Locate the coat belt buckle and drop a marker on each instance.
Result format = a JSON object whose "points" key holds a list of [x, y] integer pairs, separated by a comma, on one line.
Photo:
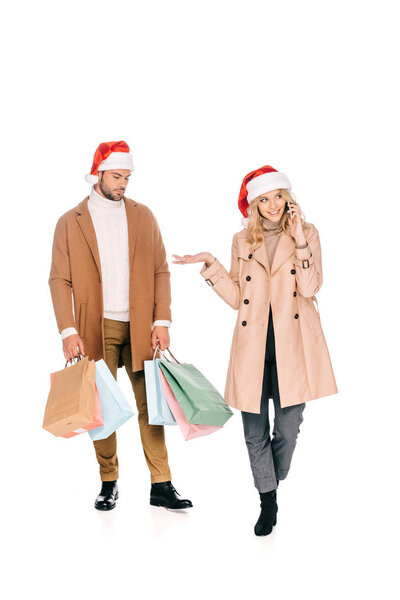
{"points": [[305, 266], [209, 282]]}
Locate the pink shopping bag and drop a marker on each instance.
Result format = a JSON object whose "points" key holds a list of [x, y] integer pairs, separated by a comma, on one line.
{"points": [[189, 431], [97, 417]]}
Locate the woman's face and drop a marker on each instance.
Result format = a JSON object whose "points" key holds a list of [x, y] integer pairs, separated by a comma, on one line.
{"points": [[272, 205]]}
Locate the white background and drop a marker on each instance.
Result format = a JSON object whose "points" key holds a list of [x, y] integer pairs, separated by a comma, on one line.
{"points": [[205, 92]]}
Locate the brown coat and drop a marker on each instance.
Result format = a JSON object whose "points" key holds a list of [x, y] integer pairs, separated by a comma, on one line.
{"points": [[76, 268], [302, 357]]}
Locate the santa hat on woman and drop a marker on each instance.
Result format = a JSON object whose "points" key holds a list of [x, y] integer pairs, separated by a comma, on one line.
{"points": [[110, 155], [261, 181]]}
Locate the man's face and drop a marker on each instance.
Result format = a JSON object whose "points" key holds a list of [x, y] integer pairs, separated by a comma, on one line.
{"points": [[112, 184]]}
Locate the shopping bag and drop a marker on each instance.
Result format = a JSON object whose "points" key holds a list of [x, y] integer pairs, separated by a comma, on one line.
{"points": [[71, 401], [198, 398], [157, 406], [189, 431], [115, 407], [97, 418]]}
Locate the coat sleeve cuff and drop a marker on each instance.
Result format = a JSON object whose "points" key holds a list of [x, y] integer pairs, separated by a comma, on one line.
{"points": [[68, 331], [212, 273], [303, 257]]}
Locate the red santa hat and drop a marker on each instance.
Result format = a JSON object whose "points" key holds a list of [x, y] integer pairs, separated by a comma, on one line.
{"points": [[261, 181], [110, 155]]}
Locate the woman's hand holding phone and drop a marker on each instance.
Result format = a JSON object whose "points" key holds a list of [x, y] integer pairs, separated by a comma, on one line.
{"points": [[289, 210], [295, 225]]}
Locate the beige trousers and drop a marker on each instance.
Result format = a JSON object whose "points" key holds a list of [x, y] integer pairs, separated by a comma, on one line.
{"points": [[117, 344]]}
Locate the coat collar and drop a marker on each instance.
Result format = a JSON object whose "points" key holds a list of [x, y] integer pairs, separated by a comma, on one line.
{"points": [[261, 255], [133, 215], [86, 224], [284, 249]]}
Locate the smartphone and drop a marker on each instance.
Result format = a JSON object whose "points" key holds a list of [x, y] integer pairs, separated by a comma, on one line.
{"points": [[290, 212]]}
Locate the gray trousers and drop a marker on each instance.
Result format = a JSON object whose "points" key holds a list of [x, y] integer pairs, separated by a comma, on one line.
{"points": [[270, 459]]}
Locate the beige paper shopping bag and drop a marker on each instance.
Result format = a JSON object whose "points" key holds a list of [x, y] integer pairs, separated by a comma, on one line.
{"points": [[71, 401]]}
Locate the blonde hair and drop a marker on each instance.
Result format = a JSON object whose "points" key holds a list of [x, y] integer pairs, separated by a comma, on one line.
{"points": [[254, 225]]}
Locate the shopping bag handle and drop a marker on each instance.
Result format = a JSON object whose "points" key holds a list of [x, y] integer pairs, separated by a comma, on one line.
{"points": [[170, 353], [77, 358], [162, 353], [158, 349]]}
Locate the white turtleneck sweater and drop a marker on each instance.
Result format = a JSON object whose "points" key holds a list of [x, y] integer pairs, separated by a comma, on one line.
{"points": [[111, 227]]}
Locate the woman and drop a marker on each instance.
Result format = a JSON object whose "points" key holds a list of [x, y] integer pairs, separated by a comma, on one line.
{"points": [[278, 349]]}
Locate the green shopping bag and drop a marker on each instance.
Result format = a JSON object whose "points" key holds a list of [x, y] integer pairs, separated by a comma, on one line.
{"points": [[198, 398]]}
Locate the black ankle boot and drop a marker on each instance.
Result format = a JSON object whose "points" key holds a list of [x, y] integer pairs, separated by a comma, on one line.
{"points": [[108, 496], [164, 494], [267, 518]]}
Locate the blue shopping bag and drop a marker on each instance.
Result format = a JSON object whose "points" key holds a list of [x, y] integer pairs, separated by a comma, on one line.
{"points": [[115, 407], [157, 406]]}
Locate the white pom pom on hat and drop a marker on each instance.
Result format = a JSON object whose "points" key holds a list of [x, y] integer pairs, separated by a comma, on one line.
{"points": [[110, 155], [93, 179]]}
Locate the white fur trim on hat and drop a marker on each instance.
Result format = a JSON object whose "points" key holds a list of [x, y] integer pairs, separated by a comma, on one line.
{"points": [[93, 179], [117, 160], [266, 182]]}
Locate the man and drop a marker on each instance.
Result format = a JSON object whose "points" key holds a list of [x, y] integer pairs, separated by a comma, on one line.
{"points": [[109, 258]]}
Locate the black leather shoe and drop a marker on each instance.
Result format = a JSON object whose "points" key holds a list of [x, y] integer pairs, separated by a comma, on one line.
{"points": [[164, 494], [267, 518], [108, 496]]}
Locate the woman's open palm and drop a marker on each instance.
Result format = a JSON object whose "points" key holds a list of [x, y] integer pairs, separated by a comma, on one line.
{"points": [[187, 259]]}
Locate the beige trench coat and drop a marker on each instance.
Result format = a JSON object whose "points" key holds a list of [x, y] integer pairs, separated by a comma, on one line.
{"points": [[289, 285], [76, 279]]}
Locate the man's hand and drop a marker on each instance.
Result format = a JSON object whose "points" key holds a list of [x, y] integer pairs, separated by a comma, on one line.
{"points": [[71, 345], [159, 336]]}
